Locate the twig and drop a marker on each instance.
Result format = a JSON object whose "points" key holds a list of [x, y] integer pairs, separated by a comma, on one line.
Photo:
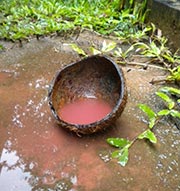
{"points": [[145, 65], [161, 81]]}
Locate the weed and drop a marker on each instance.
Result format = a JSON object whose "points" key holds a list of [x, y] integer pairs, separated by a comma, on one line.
{"points": [[1, 47], [174, 75], [123, 145], [21, 19], [159, 53], [105, 48], [172, 110]]}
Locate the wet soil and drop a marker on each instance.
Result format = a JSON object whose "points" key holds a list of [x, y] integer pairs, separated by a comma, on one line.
{"points": [[37, 154]]}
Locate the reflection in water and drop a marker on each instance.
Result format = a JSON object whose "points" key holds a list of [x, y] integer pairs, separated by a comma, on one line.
{"points": [[13, 175], [32, 157]]}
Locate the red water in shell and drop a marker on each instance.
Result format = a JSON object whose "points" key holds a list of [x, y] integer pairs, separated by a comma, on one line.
{"points": [[85, 111]]}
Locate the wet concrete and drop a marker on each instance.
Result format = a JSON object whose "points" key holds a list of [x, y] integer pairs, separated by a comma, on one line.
{"points": [[166, 15], [36, 154]]}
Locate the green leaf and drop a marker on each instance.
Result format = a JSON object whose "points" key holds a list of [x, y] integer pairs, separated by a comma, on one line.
{"points": [[146, 109], [152, 122], [121, 155], [129, 50], [175, 74], [148, 134], [167, 99], [141, 46], [168, 57], [164, 112], [1, 47], [118, 52], [108, 47], [94, 51], [175, 113], [154, 49], [78, 50], [116, 154], [123, 158], [150, 113], [118, 142], [171, 90]]}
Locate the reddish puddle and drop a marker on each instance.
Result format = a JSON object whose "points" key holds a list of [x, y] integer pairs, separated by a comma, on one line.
{"points": [[85, 111]]}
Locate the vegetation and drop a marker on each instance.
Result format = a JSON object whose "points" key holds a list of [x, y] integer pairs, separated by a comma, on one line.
{"points": [[21, 19], [171, 109], [158, 53], [154, 48]]}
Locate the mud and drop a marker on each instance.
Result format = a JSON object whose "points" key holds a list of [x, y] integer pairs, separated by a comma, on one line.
{"points": [[37, 154]]}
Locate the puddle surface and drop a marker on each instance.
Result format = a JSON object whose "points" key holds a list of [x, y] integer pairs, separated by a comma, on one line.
{"points": [[36, 154], [84, 111]]}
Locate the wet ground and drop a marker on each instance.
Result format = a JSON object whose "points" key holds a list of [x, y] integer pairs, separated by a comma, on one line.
{"points": [[37, 154], [166, 15]]}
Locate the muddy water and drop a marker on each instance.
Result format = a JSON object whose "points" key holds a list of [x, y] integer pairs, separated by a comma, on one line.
{"points": [[36, 154]]}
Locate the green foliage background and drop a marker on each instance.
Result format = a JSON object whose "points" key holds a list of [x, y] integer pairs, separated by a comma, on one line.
{"points": [[20, 19]]}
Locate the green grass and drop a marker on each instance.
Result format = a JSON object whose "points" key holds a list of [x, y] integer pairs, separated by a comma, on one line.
{"points": [[20, 19]]}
